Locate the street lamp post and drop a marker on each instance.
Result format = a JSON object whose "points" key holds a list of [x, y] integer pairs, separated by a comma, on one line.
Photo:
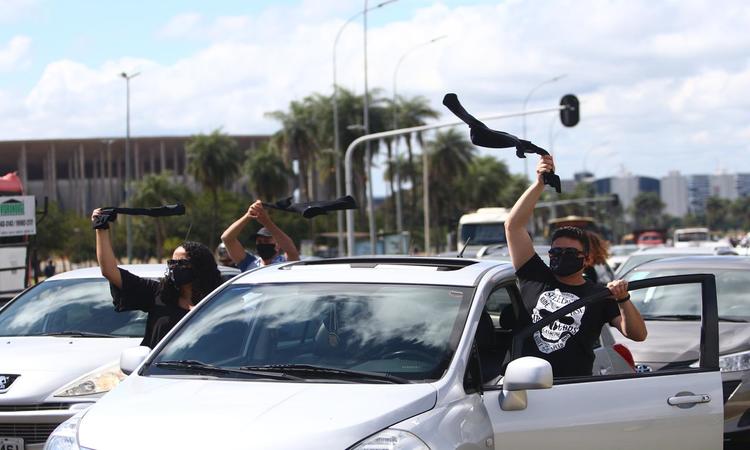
{"points": [[336, 137], [525, 102], [128, 228], [399, 213]]}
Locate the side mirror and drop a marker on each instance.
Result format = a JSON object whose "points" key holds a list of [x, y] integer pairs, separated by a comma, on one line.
{"points": [[522, 374], [131, 358]]}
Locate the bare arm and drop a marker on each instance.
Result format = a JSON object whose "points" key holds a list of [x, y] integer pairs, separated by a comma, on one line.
{"points": [[284, 242], [629, 322], [230, 238], [520, 245], [105, 255]]}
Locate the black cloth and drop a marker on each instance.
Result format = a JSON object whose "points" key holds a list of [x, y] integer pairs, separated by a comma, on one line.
{"points": [[143, 294], [313, 209], [484, 136], [568, 344], [109, 214]]}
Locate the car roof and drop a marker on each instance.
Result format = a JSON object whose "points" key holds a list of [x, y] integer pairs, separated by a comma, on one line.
{"points": [[141, 270], [395, 270], [663, 250], [697, 263]]}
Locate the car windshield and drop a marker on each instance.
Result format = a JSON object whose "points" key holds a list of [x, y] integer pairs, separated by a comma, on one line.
{"points": [[405, 331], [69, 307], [693, 236], [483, 233], [683, 302]]}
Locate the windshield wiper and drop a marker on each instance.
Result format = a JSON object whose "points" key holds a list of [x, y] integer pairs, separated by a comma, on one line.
{"points": [[673, 317], [329, 371], [209, 369], [79, 334]]}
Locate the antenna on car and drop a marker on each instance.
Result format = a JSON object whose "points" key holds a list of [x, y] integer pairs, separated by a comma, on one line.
{"points": [[461, 253]]}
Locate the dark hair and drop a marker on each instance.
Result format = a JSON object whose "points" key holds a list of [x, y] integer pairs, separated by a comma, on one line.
{"points": [[572, 233], [207, 274], [599, 248]]}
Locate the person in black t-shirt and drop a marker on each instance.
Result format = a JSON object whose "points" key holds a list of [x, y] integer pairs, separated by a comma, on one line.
{"points": [[568, 343], [191, 275]]}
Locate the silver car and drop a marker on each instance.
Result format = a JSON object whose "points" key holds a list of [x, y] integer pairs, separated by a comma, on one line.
{"points": [[59, 347], [385, 353], [673, 315]]}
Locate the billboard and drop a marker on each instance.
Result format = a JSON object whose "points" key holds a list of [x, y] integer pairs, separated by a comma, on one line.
{"points": [[17, 215]]}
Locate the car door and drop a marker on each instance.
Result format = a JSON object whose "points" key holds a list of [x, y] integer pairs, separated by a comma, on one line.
{"points": [[676, 408]]}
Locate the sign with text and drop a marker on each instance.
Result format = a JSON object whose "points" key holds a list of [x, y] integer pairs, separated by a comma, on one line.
{"points": [[17, 215]]}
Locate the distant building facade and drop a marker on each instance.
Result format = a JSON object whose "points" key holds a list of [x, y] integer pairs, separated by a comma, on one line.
{"points": [[81, 174]]}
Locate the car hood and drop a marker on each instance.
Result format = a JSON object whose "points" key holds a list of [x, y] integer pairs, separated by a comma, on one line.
{"points": [[155, 412], [669, 341], [46, 363]]}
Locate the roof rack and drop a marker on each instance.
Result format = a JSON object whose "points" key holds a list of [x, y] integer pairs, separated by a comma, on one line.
{"points": [[371, 262]]}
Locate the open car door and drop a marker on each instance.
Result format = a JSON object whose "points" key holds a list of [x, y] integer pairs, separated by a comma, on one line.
{"points": [[673, 408]]}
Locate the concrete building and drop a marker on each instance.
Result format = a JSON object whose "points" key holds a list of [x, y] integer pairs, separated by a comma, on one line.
{"points": [[743, 184], [724, 185], [699, 189], [627, 186], [674, 194], [80, 174]]}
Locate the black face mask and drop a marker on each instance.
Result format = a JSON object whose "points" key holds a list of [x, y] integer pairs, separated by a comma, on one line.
{"points": [[565, 264], [181, 275], [266, 251]]}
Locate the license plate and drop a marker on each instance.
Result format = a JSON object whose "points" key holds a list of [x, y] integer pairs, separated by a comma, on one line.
{"points": [[11, 443]]}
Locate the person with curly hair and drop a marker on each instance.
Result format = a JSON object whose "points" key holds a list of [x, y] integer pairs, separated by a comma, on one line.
{"points": [[191, 275], [599, 252]]}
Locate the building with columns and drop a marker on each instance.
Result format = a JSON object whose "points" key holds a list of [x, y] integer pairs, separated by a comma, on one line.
{"points": [[80, 174]]}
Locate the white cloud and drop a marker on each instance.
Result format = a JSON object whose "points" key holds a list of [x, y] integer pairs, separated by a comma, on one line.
{"points": [[666, 78], [11, 10], [15, 54]]}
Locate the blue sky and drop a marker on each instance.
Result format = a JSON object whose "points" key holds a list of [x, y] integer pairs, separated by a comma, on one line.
{"points": [[664, 86]]}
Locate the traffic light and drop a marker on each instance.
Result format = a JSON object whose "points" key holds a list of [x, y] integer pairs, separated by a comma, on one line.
{"points": [[570, 113]]}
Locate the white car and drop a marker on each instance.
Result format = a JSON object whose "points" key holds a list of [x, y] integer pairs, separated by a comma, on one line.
{"points": [[60, 343], [386, 353]]}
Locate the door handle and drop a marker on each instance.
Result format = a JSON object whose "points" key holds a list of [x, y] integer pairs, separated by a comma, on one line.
{"points": [[688, 399]]}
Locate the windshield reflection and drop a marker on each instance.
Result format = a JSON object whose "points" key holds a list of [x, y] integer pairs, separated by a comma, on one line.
{"points": [[405, 330], [64, 306]]}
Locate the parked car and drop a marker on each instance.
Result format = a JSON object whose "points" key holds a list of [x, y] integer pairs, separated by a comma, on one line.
{"points": [[61, 341], [619, 253], [673, 315], [650, 238], [372, 353], [647, 254]]}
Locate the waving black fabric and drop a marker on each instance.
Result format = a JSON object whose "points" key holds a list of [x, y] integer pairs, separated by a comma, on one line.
{"points": [[312, 209], [109, 214], [484, 136]]}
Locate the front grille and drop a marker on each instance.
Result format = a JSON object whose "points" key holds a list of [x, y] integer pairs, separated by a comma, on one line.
{"points": [[32, 433], [41, 407]]}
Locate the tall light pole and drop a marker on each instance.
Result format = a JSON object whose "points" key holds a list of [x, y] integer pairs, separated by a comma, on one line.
{"points": [[128, 228], [525, 102], [336, 137], [399, 214]]}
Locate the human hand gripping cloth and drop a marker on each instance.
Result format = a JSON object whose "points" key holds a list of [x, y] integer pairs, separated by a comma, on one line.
{"points": [[484, 136], [313, 209], [109, 214]]}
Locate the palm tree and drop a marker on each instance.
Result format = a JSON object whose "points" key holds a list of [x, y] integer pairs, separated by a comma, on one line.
{"points": [[155, 190], [450, 155], [214, 161], [268, 175]]}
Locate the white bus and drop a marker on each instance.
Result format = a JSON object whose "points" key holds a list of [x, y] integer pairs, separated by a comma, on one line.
{"points": [[691, 237], [485, 226]]}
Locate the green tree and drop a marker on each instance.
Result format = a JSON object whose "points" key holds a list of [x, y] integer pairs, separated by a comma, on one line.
{"points": [[268, 175], [161, 189], [214, 161], [646, 210]]}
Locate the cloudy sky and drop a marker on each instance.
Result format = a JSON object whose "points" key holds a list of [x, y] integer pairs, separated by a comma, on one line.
{"points": [[663, 85]]}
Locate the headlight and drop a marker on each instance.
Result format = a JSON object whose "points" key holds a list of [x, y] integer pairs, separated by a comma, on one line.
{"points": [[65, 436], [101, 380], [391, 439], [735, 362]]}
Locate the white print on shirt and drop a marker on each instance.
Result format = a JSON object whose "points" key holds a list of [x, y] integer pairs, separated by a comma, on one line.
{"points": [[554, 336]]}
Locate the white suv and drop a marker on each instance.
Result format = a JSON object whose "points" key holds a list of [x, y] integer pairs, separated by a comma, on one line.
{"points": [[386, 353]]}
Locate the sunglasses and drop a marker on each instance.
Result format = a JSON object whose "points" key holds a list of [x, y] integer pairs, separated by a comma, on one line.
{"points": [[179, 263], [555, 252]]}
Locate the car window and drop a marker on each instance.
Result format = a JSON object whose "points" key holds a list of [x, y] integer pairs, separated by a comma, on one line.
{"points": [[406, 330], [61, 306]]}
